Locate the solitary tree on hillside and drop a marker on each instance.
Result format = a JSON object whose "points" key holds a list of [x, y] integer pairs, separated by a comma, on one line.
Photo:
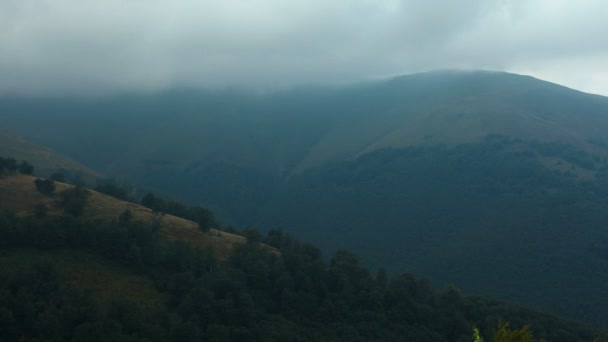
{"points": [[45, 186], [151, 201], [203, 217], [26, 168], [9, 164], [113, 188]]}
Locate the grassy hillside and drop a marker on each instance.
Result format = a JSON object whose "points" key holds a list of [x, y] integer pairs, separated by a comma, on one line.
{"points": [[18, 193], [46, 160]]}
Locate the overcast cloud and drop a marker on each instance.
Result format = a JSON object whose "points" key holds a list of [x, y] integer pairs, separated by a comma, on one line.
{"points": [[73, 46]]}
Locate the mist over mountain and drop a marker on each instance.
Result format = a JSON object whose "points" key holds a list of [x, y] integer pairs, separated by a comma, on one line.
{"points": [[321, 123], [493, 181]]}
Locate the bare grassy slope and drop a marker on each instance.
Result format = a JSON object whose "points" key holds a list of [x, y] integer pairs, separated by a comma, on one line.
{"points": [[46, 160], [18, 193]]}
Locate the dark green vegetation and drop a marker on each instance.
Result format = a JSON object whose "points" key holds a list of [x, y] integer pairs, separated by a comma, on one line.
{"points": [[45, 186], [495, 182], [8, 164], [204, 218], [69, 277]]}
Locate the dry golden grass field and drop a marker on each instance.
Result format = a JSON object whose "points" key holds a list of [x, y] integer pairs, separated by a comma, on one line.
{"points": [[18, 193]]}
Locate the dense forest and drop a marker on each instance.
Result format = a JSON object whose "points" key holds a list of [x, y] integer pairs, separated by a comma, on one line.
{"points": [[254, 295], [475, 214]]}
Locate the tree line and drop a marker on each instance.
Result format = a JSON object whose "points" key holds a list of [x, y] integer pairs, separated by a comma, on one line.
{"points": [[255, 295], [12, 165]]}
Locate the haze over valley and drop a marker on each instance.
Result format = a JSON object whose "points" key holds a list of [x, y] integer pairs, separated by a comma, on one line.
{"points": [[295, 181], [430, 173]]}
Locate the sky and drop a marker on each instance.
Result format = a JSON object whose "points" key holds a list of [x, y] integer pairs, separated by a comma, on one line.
{"points": [[93, 46]]}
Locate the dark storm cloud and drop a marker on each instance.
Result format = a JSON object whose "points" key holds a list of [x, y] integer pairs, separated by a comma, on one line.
{"points": [[144, 45]]}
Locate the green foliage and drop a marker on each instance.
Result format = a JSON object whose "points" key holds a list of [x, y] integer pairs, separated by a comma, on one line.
{"points": [[113, 188], [25, 168], [36, 304], [45, 186], [73, 201], [433, 209], [8, 164], [253, 235], [152, 201], [71, 176], [505, 334], [476, 336], [202, 216], [255, 295]]}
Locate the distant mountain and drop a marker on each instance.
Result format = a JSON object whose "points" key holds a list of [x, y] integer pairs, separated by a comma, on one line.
{"points": [[493, 181], [452, 107], [289, 131]]}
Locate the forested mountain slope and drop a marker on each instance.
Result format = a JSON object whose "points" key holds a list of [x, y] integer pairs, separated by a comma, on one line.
{"points": [[493, 181], [87, 274]]}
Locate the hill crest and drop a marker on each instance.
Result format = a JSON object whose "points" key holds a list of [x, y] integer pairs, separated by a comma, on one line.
{"points": [[45, 159], [18, 194]]}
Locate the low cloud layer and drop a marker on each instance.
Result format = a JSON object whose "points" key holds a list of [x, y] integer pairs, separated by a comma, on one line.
{"points": [[92, 46]]}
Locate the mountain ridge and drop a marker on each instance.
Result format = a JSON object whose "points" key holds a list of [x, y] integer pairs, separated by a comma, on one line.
{"points": [[402, 111], [424, 172]]}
